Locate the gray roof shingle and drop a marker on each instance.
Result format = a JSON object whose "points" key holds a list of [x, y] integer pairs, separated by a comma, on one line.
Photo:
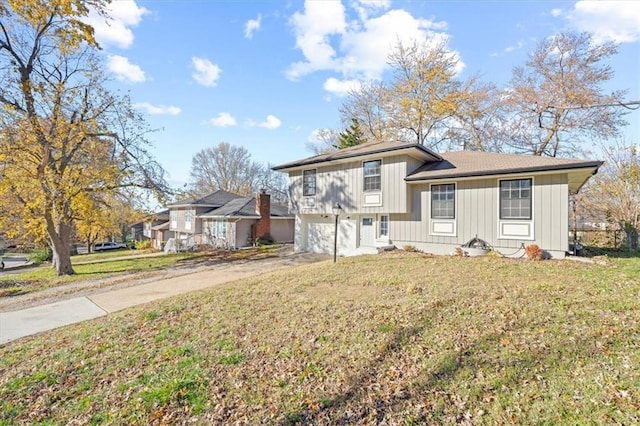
{"points": [[459, 164], [215, 199], [368, 148], [245, 207]]}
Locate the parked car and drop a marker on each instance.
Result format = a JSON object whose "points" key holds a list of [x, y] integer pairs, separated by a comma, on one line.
{"points": [[108, 246]]}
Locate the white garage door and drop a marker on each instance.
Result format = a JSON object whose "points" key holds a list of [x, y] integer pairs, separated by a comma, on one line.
{"points": [[320, 237]]}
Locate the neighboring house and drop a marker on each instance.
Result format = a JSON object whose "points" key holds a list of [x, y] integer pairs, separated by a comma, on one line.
{"points": [[154, 228], [398, 194], [236, 219]]}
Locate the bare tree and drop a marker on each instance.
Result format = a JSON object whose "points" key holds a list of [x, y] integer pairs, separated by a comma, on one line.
{"points": [[366, 104], [614, 192], [231, 169], [556, 102], [478, 120], [325, 141]]}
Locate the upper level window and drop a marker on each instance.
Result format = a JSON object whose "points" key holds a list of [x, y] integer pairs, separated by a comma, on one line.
{"points": [[371, 172], [443, 202], [308, 183], [515, 199]]}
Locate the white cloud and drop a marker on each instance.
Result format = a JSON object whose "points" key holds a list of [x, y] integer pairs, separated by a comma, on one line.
{"points": [[340, 87], [224, 119], [519, 45], [252, 25], [125, 70], [271, 122], [618, 21], [117, 30], [355, 46], [313, 28], [206, 73], [158, 109], [556, 12]]}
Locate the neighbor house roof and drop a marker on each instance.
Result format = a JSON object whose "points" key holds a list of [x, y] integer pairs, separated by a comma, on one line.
{"points": [[365, 149], [468, 164], [215, 199], [244, 207]]}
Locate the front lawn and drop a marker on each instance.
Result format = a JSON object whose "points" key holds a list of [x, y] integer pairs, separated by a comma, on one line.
{"points": [[126, 264], [399, 338]]}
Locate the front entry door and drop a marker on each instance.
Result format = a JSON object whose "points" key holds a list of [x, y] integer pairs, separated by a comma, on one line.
{"points": [[367, 231]]}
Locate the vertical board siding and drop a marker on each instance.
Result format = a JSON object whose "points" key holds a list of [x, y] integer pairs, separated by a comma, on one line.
{"points": [[343, 183], [477, 214]]}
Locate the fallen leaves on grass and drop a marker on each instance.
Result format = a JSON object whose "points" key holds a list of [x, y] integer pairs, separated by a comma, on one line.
{"points": [[488, 341]]}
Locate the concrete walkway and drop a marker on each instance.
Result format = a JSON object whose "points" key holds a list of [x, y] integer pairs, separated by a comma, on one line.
{"points": [[26, 322]]}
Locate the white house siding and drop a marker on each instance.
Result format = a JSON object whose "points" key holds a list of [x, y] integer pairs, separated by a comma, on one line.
{"points": [[477, 213], [343, 183]]}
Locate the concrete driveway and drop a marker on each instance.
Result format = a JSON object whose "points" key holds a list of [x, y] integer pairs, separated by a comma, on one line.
{"points": [[74, 308]]}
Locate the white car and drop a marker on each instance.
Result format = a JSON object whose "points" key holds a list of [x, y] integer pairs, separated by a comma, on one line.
{"points": [[108, 246]]}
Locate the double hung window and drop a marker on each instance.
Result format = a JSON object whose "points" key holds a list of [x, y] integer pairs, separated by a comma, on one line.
{"points": [[443, 201], [515, 199], [309, 183], [371, 175]]}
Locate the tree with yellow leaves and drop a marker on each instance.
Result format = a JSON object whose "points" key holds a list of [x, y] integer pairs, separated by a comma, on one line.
{"points": [[62, 133], [420, 103]]}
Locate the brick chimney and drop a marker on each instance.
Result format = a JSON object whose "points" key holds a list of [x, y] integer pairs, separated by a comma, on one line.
{"points": [[263, 208]]}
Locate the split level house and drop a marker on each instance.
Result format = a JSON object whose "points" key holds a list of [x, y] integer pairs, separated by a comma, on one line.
{"points": [[399, 194], [237, 220]]}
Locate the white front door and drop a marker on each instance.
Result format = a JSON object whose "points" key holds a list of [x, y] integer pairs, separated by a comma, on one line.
{"points": [[367, 231]]}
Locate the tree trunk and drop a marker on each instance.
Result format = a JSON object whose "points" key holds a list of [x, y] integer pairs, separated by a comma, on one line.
{"points": [[60, 237], [632, 238]]}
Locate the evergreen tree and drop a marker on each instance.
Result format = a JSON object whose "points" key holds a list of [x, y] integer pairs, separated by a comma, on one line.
{"points": [[351, 136]]}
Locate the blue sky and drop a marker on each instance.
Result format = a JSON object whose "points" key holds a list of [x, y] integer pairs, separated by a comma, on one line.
{"points": [[267, 75]]}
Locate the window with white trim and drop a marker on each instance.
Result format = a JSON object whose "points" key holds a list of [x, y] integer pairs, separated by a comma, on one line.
{"points": [[173, 218], [309, 183], [371, 175], [219, 228], [384, 225], [443, 201], [515, 199], [188, 219]]}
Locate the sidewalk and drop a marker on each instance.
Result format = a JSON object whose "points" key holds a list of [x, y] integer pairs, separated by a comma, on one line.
{"points": [[26, 322]]}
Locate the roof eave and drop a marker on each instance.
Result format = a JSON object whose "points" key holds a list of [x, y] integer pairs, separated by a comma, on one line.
{"points": [[595, 165], [426, 154]]}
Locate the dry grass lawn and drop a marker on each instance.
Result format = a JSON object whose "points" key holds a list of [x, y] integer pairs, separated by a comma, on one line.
{"points": [[399, 338]]}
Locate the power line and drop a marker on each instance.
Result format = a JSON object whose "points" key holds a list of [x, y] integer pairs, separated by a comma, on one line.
{"points": [[632, 105]]}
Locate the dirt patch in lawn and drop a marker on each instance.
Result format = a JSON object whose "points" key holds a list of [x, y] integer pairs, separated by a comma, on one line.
{"points": [[251, 260]]}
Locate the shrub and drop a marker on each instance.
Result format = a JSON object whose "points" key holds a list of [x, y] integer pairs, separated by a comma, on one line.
{"points": [[534, 252], [459, 252], [410, 248], [142, 245], [41, 255], [265, 240]]}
